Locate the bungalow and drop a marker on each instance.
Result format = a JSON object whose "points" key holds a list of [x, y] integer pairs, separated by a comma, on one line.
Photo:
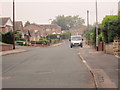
{"points": [[51, 29], [34, 30], [42, 30], [31, 35], [6, 24], [19, 26], [78, 30]]}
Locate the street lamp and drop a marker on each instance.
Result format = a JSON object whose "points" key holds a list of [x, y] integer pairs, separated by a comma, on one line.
{"points": [[96, 27], [88, 18], [13, 25]]}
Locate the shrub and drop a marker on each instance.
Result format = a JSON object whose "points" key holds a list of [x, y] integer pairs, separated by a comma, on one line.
{"points": [[7, 37], [55, 41], [20, 42], [22, 39], [53, 36], [110, 28], [66, 35], [43, 41]]}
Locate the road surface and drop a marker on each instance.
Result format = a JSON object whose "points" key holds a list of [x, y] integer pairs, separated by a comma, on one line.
{"points": [[48, 67]]}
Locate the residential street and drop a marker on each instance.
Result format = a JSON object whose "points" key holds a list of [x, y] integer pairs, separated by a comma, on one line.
{"points": [[60, 44], [47, 67]]}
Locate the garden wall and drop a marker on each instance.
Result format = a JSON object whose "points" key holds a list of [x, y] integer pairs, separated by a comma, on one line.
{"points": [[113, 48], [108, 48], [5, 47]]}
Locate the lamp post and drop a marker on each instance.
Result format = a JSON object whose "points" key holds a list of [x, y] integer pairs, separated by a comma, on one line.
{"points": [[96, 27], [88, 19], [13, 24]]}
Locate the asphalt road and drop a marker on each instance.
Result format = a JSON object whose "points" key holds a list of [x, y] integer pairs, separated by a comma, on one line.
{"points": [[48, 67]]}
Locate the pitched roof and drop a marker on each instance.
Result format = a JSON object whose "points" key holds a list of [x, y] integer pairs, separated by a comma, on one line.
{"points": [[49, 26], [3, 21], [18, 24], [31, 32], [46, 25]]}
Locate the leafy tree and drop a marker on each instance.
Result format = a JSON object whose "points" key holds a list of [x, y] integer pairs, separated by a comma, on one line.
{"points": [[67, 22], [27, 23], [110, 28], [91, 35]]}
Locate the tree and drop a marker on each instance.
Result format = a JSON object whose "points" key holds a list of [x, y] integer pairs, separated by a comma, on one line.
{"points": [[110, 28], [67, 22], [27, 23]]}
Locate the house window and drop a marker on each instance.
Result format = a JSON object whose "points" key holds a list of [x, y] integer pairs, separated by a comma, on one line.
{"points": [[53, 29], [47, 29]]}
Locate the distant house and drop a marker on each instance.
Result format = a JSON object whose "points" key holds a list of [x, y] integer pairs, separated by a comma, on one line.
{"points": [[42, 30], [19, 26], [31, 35], [6, 24], [78, 30], [34, 30], [51, 29]]}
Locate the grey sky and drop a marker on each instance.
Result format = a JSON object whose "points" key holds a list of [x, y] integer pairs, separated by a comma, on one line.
{"points": [[41, 12]]}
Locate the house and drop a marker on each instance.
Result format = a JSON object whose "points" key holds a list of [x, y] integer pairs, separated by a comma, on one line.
{"points": [[78, 30], [19, 26], [34, 30], [6, 24], [31, 35], [51, 29], [38, 31]]}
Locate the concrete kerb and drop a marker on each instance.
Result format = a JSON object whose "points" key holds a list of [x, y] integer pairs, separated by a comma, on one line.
{"points": [[90, 69], [58, 44], [4, 53]]}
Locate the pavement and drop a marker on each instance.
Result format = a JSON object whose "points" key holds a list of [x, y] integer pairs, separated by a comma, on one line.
{"points": [[104, 67]]}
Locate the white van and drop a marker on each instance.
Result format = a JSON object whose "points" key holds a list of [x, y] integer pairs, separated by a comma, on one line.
{"points": [[76, 40]]}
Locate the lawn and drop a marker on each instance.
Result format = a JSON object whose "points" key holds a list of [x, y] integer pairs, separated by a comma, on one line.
{"points": [[1, 43]]}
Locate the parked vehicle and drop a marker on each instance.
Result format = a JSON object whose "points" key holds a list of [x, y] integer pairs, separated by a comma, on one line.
{"points": [[76, 40]]}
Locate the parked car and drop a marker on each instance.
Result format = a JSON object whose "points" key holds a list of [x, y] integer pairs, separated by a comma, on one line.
{"points": [[76, 40]]}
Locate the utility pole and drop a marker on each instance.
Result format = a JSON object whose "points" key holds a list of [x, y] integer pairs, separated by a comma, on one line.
{"points": [[96, 27], [119, 8], [13, 24], [88, 19]]}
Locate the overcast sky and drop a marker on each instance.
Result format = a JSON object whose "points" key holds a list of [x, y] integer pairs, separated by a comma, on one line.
{"points": [[39, 11]]}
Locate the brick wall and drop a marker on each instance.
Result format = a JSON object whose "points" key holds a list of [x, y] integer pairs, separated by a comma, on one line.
{"points": [[113, 48], [108, 48], [5, 47]]}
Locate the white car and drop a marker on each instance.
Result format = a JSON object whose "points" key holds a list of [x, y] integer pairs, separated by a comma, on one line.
{"points": [[76, 40]]}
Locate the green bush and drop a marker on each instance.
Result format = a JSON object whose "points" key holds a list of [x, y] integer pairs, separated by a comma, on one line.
{"points": [[22, 39], [55, 41], [111, 28], [33, 42], [53, 36], [20, 42], [66, 35], [43, 41], [7, 37]]}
